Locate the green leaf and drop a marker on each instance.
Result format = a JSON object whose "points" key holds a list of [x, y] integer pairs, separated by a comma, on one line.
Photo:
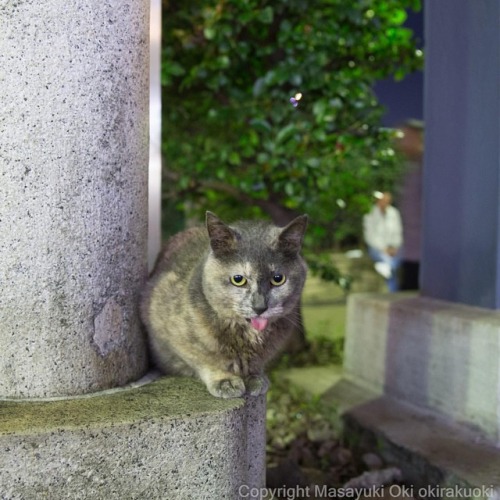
{"points": [[286, 133], [174, 69], [261, 125], [289, 189], [267, 15], [234, 158], [313, 162], [319, 109], [398, 17], [262, 158], [323, 182], [209, 33]]}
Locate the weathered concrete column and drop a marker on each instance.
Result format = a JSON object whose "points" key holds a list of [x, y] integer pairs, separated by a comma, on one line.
{"points": [[73, 205], [461, 258]]}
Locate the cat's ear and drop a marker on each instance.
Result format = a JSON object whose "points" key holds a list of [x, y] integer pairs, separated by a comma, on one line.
{"points": [[223, 239], [291, 236]]}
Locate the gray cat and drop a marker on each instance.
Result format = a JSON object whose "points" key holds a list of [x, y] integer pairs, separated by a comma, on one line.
{"points": [[221, 301]]}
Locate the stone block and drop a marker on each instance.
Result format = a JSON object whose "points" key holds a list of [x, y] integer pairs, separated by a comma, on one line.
{"points": [[168, 439], [433, 354]]}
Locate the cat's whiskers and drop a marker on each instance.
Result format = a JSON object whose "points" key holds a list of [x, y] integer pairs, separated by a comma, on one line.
{"points": [[293, 319]]}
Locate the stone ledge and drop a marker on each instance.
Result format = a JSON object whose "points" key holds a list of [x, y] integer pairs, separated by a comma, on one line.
{"points": [[430, 450], [430, 353], [167, 439]]}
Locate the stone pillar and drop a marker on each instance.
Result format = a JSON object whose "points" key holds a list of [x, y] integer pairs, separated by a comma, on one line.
{"points": [[73, 210], [461, 258]]}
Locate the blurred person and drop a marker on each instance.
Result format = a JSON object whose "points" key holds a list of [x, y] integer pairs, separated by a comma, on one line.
{"points": [[411, 145], [383, 234]]}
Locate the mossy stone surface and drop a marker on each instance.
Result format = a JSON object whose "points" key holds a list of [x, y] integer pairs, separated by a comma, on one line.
{"points": [[168, 439], [167, 397]]}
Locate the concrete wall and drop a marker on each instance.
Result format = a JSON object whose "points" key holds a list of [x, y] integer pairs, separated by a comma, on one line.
{"points": [[73, 212]]}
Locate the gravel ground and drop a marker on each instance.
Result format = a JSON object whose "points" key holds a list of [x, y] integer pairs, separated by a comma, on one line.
{"points": [[306, 451]]}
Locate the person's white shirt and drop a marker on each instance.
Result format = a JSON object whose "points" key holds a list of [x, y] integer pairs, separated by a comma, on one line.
{"points": [[382, 230]]}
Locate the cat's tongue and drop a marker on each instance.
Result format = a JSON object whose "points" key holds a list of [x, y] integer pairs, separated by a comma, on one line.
{"points": [[259, 323]]}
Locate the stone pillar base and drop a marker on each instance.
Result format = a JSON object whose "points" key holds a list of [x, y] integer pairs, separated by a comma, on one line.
{"points": [[167, 439]]}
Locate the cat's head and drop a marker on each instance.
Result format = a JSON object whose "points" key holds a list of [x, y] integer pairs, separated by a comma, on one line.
{"points": [[254, 272]]}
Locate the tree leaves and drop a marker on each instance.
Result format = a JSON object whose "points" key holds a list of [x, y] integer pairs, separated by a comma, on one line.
{"points": [[230, 72]]}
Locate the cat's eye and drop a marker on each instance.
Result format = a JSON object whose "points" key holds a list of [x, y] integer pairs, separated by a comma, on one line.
{"points": [[238, 280], [278, 279]]}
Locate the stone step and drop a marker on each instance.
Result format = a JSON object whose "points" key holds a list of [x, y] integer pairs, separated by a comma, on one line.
{"points": [[167, 439], [438, 457]]}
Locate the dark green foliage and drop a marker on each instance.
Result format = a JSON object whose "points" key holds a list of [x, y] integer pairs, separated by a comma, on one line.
{"points": [[232, 138], [318, 352]]}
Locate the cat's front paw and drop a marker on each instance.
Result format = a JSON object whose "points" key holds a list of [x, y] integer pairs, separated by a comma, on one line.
{"points": [[257, 384], [233, 387]]}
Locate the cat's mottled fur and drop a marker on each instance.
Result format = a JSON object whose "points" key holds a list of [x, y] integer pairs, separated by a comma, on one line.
{"points": [[221, 301]]}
